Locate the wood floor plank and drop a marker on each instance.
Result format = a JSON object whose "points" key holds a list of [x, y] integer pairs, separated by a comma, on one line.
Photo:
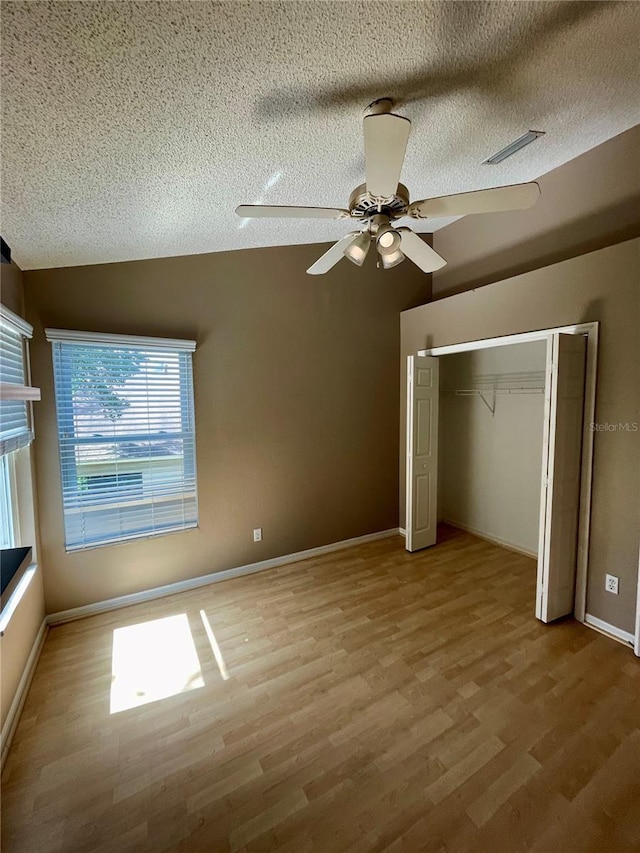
{"points": [[499, 791], [368, 700]]}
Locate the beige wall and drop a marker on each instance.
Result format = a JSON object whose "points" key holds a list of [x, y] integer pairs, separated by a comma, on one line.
{"points": [[296, 393], [490, 463], [586, 204], [21, 632], [604, 286], [11, 288], [18, 640]]}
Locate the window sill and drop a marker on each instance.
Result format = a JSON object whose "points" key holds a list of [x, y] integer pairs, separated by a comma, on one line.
{"points": [[16, 589]]}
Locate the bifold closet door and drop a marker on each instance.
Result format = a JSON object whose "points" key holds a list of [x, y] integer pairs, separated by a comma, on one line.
{"points": [[422, 451], [561, 466]]}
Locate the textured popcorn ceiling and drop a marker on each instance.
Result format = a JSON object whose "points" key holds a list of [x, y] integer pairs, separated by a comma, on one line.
{"points": [[132, 130]]}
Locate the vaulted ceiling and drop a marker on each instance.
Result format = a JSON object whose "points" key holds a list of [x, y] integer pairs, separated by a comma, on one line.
{"points": [[133, 129]]}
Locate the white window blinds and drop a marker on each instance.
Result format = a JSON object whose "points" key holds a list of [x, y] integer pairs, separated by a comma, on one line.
{"points": [[15, 431], [126, 434]]}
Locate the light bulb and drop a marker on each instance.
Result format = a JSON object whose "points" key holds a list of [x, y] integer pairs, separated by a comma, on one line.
{"points": [[388, 241]]}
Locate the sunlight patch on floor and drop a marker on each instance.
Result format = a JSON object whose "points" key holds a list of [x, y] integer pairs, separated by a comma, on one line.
{"points": [[215, 648], [153, 660]]}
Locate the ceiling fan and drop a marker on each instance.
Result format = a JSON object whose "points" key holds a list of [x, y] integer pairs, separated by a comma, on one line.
{"points": [[377, 203]]}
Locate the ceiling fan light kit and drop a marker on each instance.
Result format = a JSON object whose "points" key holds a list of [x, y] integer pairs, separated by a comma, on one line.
{"points": [[388, 241], [391, 260], [382, 199], [357, 251]]}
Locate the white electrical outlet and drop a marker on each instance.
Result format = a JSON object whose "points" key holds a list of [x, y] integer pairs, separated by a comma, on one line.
{"points": [[611, 584], [257, 534]]}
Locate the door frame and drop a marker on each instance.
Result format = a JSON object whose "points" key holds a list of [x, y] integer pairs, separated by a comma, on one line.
{"points": [[590, 330]]}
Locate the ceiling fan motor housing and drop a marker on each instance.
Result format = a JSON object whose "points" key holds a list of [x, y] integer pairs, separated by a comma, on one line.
{"points": [[363, 205]]}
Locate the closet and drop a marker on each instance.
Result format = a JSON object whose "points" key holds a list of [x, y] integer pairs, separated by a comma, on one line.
{"points": [[494, 446], [490, 449]]}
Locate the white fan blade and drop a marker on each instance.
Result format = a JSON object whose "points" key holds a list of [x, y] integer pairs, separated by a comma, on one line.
{"points": [[335, 254], [283, 211], [419, 252], [385, 143], [515, 197]]}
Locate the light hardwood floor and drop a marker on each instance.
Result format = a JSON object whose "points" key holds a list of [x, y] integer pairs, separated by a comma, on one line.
{"points": [[376, 700]]}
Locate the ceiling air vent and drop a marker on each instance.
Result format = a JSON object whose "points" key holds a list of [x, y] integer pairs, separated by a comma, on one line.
{"points": [[514, 146]]}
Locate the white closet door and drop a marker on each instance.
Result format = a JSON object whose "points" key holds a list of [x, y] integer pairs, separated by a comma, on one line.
{"points": [[561, 464], [422, 451]]}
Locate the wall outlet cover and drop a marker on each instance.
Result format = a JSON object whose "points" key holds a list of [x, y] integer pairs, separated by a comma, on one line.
{"points": [[611, 584], [257, 534]]}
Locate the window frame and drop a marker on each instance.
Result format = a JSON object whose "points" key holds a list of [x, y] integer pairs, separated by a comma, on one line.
{"points": [[9, 500]]}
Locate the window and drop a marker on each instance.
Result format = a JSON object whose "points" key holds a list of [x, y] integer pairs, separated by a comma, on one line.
{"points": [[16, 568], [15, 430], [126, 435]]}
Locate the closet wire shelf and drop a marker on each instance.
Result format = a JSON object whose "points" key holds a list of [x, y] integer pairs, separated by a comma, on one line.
{"points": [[488, 386]]}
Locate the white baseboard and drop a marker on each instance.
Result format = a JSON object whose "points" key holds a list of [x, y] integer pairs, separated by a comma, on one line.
{"points": [[10, 724], [402, 532], [215, 577], [610, 630], [504, 543]]}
